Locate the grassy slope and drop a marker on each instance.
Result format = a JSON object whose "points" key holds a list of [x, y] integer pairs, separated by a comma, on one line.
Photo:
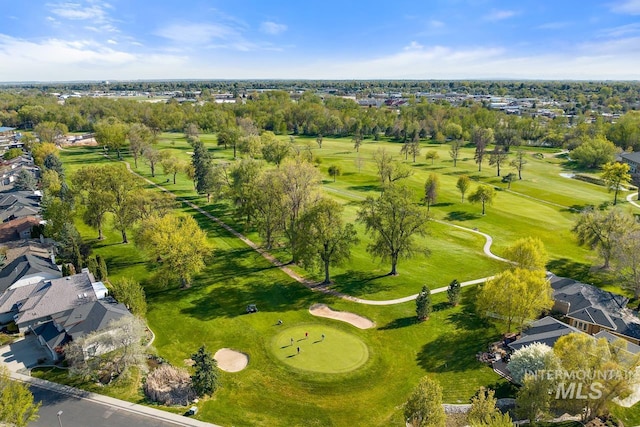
{"points": [[267, 393]]}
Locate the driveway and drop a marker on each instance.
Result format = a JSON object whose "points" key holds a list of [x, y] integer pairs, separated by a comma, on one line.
{"points": [[23, 354]]}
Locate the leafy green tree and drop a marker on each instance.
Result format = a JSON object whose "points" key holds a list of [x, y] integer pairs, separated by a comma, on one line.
{"points": [[578, 352], [432, 155], [424, 408], [52, 162], [519, 162], [41, 150], [12, 153], [453, 292], [515, 296], [101, 272], [357, 142], [481, 137], [25, 181], [50, 182], [178, 243], [423, 304], [533, 401], [123, 188], [129, 292], [140, 139], [230, 136], [528, 253], [484, 413], [244, 180], [205, 378], [431, 189], [17, 407], [509, 178], [594, 152], [268, 198], [91, 187], [389, 170], [626, 260], [327, 239], [614, 175], [112, 133], [414, 150], [599, 230], [250, 146], [463, 184], [273, 149], [51, 132], [171, 165], [300, 184], [393, 220], [151, 157], [483, 194], [202, 164], [334, 171], [191, 133]]}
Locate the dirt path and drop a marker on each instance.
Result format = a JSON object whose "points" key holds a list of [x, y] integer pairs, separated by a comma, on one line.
{"points": [[311, 284]]}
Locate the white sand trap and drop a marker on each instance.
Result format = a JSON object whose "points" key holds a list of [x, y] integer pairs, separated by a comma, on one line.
{"points": [[231, 360], [321, 310], [567, 175]]}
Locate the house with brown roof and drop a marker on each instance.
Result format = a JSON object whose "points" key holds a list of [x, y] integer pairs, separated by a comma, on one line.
{"points": [[18, 228]]}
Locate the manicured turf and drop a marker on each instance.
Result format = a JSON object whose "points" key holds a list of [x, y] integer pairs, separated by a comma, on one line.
{"points": [[303, 347], [400, 350]]}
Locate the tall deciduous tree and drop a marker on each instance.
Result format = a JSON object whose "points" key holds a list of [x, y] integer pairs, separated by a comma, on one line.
{"points": [[334, 171], [92, 188], [244, 185], [178, 243], [300, 183], [327, 239], [481, 137], [123, 188], [230, 136], [497, 157], [140, 138], [424, 408], [270, 206], [626, 260], [171, 165], [528, 253], [111, 133], [484, 412], [463, 184], [594, 152], [615, 175], [393, 220], [41, 150], [432, 155], [454, 151], [51, 132], [17, 407], [151, 157], [483, 194], [599, 230], [515, 296], [129, 292], [389, 170], [273, 149], [519, 162], [431, 189]]}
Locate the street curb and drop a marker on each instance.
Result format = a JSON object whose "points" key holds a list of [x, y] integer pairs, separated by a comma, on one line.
{"points": [[110, 401]]}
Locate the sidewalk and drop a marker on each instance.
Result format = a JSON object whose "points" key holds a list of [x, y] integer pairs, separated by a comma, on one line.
{"points": [[110, 401]]}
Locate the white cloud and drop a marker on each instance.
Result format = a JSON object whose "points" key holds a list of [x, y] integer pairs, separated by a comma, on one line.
{"points": [[499, 15], [196, 34], [272, 28], [78, 12], [414, 45], [629, 7], [620, 31], [112, 42]]}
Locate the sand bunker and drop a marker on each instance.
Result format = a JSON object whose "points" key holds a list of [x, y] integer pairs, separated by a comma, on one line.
{"points": [[231, 360], [321, 310]]}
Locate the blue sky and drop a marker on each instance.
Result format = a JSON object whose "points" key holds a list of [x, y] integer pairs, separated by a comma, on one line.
{"points": [[266, 39]]}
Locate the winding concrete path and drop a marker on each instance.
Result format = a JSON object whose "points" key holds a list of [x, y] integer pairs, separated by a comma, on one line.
{"points": [[313, 285], [630, 199]]}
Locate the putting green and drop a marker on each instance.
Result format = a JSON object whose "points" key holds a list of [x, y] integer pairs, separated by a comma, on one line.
{"points": [[338, 352]]}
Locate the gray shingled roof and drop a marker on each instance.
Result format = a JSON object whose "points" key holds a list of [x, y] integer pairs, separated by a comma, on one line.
{"points": [[56, 295], [631, 347], [90, 317], [593, 305], [546, 331], [23, 266], [634, 157], [51, 334]]}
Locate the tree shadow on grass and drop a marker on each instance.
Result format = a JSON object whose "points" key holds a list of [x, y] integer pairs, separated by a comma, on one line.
{"points": [[567, 268], [359, 283], [454, 352], [402, 322], [442, 204], [365, 188], [461, 216]]}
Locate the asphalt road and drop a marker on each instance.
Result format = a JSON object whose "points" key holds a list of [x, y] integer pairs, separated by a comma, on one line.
{"points": [[83, 413]]}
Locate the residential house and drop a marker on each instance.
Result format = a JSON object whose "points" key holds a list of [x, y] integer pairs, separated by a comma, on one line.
{"points": [[546, 331], [27, 270], [42, 247], [18, 228], [19, 204], [72, 324], [633, 160], [591, 309], [11, 169]]}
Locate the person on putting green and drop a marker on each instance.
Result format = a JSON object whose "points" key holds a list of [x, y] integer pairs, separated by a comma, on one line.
{"points": [[322, 337], [298, 350], [306, 335], [291, 341]]}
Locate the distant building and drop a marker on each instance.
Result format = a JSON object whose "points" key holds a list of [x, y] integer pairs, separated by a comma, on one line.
{"points": [[633, 160]]}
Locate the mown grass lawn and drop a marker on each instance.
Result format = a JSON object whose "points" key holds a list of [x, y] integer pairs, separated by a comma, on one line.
{"points": [[400, 350]]}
